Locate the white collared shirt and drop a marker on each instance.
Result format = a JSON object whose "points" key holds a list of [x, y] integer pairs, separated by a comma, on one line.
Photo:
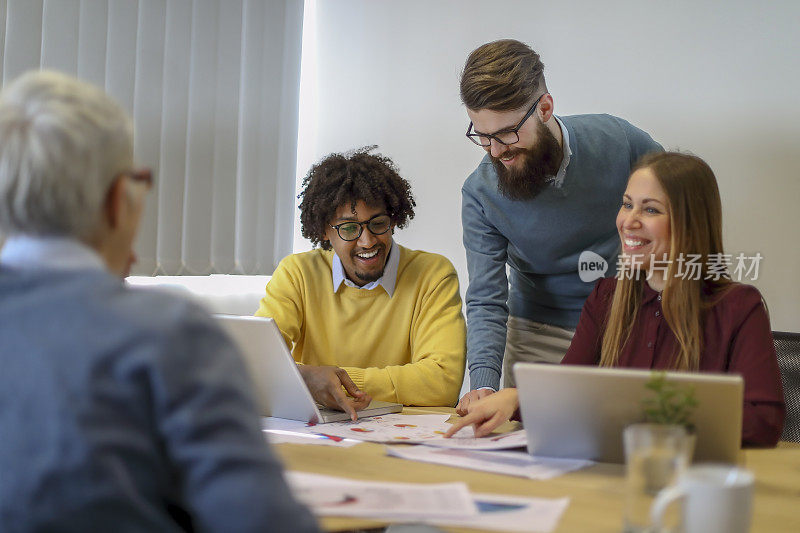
{"points": [[387, 280], [31, 252], [558, 179]]}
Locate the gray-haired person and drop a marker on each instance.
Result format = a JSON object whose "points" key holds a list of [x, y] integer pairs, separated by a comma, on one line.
{"points": [[119, 409]]}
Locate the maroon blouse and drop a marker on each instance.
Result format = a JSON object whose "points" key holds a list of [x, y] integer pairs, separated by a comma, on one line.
{"points": [[737, 339]]}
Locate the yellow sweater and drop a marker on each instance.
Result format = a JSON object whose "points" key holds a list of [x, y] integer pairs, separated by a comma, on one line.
{"points": [[408, 348]]}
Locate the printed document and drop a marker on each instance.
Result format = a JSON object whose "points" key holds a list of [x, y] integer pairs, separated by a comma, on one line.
{"points": [[333, 496], [519, 464], [445, 504]]}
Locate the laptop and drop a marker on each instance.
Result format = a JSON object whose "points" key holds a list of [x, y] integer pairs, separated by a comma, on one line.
{"points": [[580, 411], [280, 388]]}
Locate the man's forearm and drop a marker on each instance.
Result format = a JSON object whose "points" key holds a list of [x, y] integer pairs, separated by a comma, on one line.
{"points": [[427, 382], [486, 336]]}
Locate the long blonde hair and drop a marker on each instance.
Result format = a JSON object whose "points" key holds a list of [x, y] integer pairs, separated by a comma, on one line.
{"points": [[695, 219]]}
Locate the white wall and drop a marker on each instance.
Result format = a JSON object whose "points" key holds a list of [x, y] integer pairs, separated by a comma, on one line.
{"points": [[717, 78]]}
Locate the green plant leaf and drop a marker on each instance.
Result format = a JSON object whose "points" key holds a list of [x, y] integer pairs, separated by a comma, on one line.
{"points": [[671, 403]]}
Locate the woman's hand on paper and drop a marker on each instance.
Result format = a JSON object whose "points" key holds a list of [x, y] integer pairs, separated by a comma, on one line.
{"points": [[486, 414]]}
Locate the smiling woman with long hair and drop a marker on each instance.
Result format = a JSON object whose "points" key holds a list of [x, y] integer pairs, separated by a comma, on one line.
{"points": [[672, 305], [680, 192]]}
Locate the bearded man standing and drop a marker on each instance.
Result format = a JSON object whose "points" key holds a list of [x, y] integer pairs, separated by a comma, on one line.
{"points": [[547, 190]]}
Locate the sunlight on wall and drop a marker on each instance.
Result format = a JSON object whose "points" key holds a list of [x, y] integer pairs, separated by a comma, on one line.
{"points": [[307, 127]]}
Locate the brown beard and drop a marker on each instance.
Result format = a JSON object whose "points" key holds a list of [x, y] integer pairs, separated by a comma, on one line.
{"points": [[539, 163]]}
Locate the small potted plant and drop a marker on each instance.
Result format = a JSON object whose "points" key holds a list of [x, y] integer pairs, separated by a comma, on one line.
{"points": [[671, 403]]}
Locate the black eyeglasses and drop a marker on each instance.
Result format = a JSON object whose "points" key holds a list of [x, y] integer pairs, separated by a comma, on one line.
{"points": [[350, 231], [143, 176], [503, 137]]}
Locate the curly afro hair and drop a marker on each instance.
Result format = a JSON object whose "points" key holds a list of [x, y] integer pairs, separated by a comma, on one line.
{"points": [[341, 179]]}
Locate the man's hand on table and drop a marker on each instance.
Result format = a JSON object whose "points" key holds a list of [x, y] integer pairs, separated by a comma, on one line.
{"points": [[472, 396], [488, 413], [325, 384]]}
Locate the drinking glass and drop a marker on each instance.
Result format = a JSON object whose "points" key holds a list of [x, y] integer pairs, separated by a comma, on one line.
{"points": [[655, 456]]}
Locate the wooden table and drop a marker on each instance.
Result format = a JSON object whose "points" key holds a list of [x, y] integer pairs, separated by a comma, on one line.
{"points": [[596, 493]]}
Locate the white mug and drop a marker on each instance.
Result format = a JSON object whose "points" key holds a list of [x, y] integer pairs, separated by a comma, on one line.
{"points": [[716, 499]]}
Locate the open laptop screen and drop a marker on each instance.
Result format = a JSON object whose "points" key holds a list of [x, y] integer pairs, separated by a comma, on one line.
{"points": [[580, 411], [280, 387]]}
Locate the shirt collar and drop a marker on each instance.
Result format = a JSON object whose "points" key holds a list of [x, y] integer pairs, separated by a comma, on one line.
{"points": [[30, 252], [649, 293], [387, 281], [558, 179]]}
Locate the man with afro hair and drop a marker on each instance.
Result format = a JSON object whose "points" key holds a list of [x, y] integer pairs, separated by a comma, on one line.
{"points": [[365, 317]]}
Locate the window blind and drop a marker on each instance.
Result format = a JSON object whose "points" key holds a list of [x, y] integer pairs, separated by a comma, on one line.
{"points": [[213, 88]]}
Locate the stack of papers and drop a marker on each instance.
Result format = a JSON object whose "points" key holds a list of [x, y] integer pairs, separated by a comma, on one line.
{"points": [[464, 450], [402, 429], [333, 496], [510, 463], [445, 504], [277, 436]]}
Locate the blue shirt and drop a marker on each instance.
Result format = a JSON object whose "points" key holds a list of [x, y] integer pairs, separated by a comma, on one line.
{"points": [[49, 253], [558, 179], [540, 240], [124, 409]]}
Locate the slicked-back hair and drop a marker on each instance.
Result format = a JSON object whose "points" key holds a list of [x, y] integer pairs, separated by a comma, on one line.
{"points": [[62, 143], [503, 75], [344, 179]]}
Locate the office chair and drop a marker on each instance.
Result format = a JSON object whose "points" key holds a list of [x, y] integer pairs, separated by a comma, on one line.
{"points": [[787, 349]]}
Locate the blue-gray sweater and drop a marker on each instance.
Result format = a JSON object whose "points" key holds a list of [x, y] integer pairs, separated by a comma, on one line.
{"points": [[122, 409], [541, 239]]}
